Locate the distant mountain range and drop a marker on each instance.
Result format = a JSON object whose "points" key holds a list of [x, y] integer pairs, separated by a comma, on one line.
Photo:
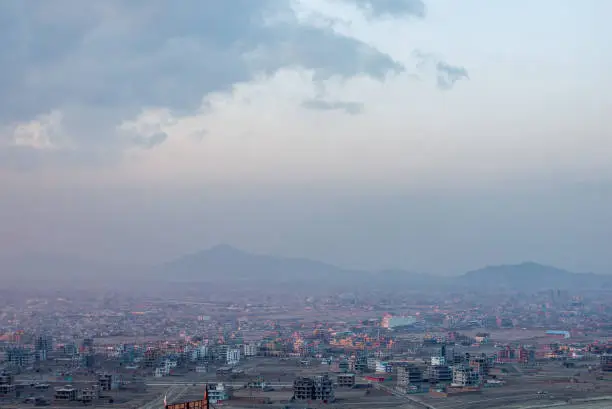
{"points": [[224, 263], [530, 275]]}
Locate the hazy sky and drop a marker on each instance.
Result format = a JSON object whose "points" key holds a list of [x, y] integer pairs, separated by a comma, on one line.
{"points": [[436, 135]]}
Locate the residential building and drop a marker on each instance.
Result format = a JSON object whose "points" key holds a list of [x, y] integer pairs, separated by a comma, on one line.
{"points": [[439, 373], [346, 380], [465, 376], [233, 356], [409, 375], [250, 350], [323, 389], [105, 382], [217, 393], [319, 388], [7, 384], [66, 393], [303, 388]]}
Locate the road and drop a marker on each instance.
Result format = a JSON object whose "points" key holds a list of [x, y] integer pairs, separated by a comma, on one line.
{"points": [[411, 400], [173, 394], [234, 385]]}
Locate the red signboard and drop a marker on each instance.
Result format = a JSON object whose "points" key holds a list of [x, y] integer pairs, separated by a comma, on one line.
{"points": [[194, 404]]}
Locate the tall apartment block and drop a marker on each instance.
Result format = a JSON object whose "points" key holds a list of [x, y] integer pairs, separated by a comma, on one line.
{"points": [[606, 362], [44, 346]]}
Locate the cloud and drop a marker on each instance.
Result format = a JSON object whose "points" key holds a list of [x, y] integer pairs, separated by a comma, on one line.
{"points": [[379, 8], [150, 141], [351, 108], [199, 135], [44, 132], [446, 74], [99, 63]]}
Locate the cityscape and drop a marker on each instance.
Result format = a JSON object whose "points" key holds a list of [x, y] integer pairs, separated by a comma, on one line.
{"points": [[305, 204], [406, 347]]}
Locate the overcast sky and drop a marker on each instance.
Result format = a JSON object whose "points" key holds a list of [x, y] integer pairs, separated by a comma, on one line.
{"points": [[434, 135]]}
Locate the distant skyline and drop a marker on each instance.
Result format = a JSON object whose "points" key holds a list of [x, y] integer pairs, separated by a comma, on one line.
{"points": [[436, 136]]}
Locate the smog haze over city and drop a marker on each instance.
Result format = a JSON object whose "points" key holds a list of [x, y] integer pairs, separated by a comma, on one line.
{"points": [[377, 203]]}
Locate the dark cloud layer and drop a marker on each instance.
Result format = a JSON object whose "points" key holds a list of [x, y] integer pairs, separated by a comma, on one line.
{"points": [[102, 61], [393, 7]]}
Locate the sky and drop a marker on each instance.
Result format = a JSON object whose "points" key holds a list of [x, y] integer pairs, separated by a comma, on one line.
{"points": [[436, 136]]}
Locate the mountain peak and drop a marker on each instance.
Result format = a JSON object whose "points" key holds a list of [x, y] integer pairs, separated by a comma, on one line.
{"points": [[225, 249]]}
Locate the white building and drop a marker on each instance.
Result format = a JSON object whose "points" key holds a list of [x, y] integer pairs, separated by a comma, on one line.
{"points": [[217, 393], [391, 322], [383, 367], [165, 368], [233, 356], [250, 350], [200, 354]]}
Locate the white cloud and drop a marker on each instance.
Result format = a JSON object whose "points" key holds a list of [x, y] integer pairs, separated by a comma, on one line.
{"points": [[44, 132]]}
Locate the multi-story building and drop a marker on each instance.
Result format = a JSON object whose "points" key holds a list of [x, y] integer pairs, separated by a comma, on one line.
{"points": [[66, 393], [19, 357], [346, 380], [7, 384], [106, 382], [465, 376], [319, 388], [526, 356], [409, 375], [44, 343], [323, 388], [303, 388], [391, 322], [480, 363], [250, 350], [217, 393], [439, 373], [606, 362], [220, 352], [360, 364], [233, 356], [383, 367], [90, 394]]}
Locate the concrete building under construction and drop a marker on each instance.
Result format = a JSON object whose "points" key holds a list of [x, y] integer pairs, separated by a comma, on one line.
{"points": [[408, 375], [107, 382], [317, 388], [66, 393], [480, 363], [346, 380], [303, 388], [465, 376], [7, 384], [439, 374]]}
